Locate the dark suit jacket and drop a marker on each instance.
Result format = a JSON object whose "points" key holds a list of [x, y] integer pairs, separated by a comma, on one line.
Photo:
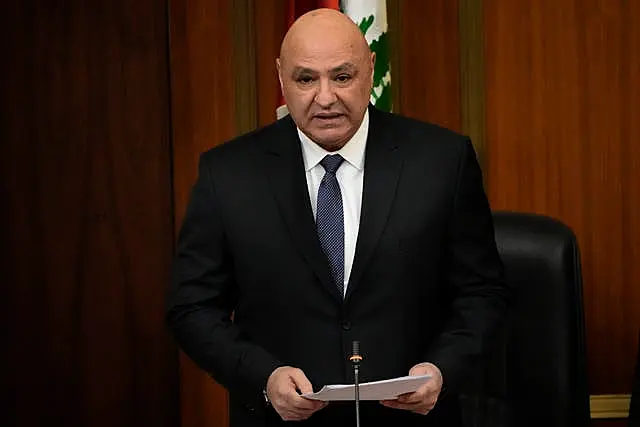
{"points": [[426, 284]]}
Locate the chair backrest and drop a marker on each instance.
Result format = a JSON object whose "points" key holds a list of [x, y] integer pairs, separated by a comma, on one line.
{"points": [[537, 375]]}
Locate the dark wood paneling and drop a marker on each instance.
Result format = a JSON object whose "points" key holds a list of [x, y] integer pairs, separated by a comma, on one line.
{"points": [[429, 74], [271, 25], [87, 226], [563, 101], [244, 65], [203, 115], [202, 86], [472, 81]]}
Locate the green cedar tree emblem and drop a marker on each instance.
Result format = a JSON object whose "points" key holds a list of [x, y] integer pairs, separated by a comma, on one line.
{"points": [[382, 66]]}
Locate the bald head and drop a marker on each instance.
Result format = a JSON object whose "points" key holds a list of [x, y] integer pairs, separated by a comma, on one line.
{"points": [[323, 26], [326, 74]]}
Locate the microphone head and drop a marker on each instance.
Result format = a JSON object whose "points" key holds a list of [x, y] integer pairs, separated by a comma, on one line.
{"points": [[355, 352], [355, 348]]}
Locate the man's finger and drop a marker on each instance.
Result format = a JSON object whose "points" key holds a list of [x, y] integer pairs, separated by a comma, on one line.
{"points": [[301, 382], [411, 398], [290, 412], [419, 395], [294, 413], [294, 416], [398, 405], [421, 408], [410, 405], [303, 404]]}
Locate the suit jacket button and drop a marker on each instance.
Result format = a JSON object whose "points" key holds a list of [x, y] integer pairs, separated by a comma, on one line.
{"points": [[346, 325]]}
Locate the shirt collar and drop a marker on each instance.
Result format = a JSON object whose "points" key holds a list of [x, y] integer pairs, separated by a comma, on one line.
{"points": [[352, 151]]}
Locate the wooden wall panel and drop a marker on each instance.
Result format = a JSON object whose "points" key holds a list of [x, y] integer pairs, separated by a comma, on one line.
{"points": [[86, 219], [429, 61], [563, 101], [202, 86], [203, 115], [271, 25]]}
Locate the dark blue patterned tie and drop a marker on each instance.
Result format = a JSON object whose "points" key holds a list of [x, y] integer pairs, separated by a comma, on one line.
{"points": [[330, 219]]}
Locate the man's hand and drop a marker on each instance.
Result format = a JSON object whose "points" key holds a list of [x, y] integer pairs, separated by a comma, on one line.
{"points": [[284, 386], [424, 399]]}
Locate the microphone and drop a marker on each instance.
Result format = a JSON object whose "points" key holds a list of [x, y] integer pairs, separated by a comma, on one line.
{"points": [[355, 359]]}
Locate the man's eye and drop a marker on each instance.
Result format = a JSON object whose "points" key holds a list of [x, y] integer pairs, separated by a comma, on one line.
{"points": [[343, 78], [305, 80]]}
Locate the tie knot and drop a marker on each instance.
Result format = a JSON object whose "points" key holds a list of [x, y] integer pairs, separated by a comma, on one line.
{"points": [[331, 163]]}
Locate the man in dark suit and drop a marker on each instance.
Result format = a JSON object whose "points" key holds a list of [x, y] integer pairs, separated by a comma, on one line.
{"points": [[337, 223]]}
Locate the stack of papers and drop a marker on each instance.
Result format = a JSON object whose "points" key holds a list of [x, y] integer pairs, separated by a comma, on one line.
{"points": [[375, 390]]}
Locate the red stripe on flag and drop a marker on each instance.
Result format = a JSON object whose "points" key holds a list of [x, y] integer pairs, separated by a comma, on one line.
{"points": [[297, 8], [331, 4]]}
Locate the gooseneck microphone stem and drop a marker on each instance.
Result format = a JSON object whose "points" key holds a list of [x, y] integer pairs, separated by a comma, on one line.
{"points": [[355, 375], [356, 358]]}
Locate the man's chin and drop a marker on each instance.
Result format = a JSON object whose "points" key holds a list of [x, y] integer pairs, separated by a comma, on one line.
{"points": [[330, 139]]}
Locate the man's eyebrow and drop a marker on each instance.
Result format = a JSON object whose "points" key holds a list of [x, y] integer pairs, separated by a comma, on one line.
{"points": [[302, 70], [347, 66]]}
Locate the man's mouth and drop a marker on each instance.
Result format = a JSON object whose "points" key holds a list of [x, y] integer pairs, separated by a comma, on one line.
{"points": [[327, 116]]}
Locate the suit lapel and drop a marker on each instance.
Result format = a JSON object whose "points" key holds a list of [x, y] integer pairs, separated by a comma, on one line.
{"points": [[383, 164], [285, 168]]}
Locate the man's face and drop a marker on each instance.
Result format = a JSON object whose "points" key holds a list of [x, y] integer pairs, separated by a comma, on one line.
{"points": [[326, 83]]}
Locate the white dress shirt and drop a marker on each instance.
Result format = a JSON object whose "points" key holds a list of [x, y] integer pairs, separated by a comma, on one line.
{"points": [[350, 177]]}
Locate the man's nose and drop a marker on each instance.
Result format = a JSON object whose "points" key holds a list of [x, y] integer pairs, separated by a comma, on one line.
{"points": [[325, 97]]}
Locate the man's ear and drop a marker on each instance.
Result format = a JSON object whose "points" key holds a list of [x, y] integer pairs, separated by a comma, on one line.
{"points": [[279, 68], [373, 65]]}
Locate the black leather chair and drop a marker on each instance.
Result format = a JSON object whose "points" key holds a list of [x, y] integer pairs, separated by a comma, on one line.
{"points": [[536, 374], [634, 408]]}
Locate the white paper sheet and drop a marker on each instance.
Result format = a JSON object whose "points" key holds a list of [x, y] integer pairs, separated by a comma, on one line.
{"points": [[375, 390]]}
